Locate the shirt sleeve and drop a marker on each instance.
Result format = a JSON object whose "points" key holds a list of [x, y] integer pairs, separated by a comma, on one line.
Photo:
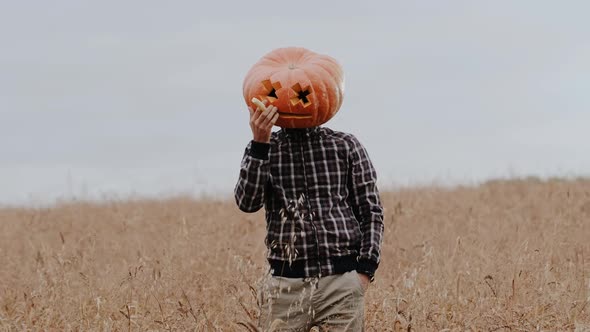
{"points": [[367, 207], [254, 175]]}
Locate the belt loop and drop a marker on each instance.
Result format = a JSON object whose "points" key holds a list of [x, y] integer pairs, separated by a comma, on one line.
{"points": [[313, 282]]}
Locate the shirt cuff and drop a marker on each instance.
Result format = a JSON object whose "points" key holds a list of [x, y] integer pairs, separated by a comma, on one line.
{"points": [[367, 266], [259, 150]]}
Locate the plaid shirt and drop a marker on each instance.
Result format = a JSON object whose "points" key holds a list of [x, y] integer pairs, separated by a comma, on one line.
{"points": [[322, 203]]}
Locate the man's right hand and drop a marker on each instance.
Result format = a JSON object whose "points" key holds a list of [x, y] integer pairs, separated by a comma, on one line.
{"points": [[261, 121]]}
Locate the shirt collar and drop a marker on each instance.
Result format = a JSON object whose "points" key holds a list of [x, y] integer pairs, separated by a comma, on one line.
{"points": [[300, 133]]}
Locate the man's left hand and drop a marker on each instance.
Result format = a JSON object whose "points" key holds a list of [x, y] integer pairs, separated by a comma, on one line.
{"points": [[365, 281]]}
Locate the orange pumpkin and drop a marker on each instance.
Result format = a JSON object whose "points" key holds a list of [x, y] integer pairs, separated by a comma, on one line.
{"points": [[306, 87]]}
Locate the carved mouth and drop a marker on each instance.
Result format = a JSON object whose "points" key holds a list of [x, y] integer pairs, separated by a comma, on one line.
{"points": [[294, 116]]}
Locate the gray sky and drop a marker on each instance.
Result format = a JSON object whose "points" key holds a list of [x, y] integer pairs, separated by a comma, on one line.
{"points": [[111, 98]]}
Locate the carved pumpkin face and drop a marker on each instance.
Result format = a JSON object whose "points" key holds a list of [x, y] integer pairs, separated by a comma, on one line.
{"points": [[306, 87]]}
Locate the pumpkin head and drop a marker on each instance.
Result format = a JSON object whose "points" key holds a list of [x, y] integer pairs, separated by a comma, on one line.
{"points": [[306, 87]]}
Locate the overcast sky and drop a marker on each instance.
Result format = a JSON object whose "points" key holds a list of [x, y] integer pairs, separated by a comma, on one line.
{"points": [[111, 98]]}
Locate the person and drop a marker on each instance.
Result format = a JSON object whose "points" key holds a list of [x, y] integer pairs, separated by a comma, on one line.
{"points": [[324, 222]]}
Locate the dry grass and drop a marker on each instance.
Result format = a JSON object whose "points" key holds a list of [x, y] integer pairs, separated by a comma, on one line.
{"points": [[504, 256]]}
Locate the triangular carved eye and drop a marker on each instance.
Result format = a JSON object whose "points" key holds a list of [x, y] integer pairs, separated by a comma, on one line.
{"points": [[301, 95], [271, 90]]}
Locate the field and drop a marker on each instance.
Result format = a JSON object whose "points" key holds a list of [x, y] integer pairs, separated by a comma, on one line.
{"points": [[501, 256]]}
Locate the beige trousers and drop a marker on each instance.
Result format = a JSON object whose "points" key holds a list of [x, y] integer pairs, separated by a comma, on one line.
{"points": [[333, 303]]}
